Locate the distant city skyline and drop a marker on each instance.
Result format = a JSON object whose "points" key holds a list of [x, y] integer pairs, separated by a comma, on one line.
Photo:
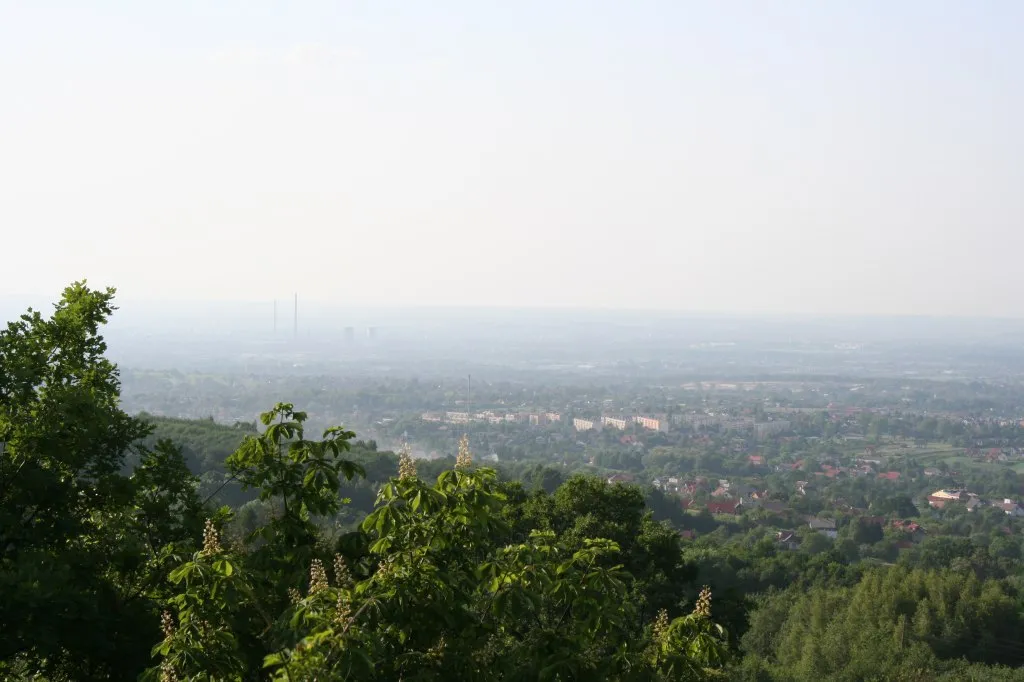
{"points": [[313, 310], [733, 157]]}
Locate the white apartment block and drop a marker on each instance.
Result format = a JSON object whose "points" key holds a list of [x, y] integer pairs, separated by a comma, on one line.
{"points": [[583, 424], [615, 423], [652, 423], [699, 420]]}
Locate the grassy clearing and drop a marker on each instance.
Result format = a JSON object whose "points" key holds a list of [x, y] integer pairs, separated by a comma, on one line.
{"points": [[933, 454]]}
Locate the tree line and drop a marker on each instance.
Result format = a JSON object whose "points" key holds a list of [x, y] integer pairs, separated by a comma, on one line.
{"points": [[114, 574], [118, 562]]}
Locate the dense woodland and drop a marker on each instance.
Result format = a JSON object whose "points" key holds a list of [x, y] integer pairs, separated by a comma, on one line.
{"points": [[140, 547]]}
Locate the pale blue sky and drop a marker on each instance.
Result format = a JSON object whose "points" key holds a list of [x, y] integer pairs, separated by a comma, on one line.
{"points": [[841, 157]]}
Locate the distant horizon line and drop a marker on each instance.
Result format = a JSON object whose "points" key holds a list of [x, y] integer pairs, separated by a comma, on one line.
{"points": [[286, 304]]}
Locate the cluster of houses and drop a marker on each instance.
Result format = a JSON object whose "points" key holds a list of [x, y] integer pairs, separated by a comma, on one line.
{"points": [[992, 455], [726, 497], [859, 468], [731, 498], [971, 501], [912, 531], [674, 484], [491, 417]]}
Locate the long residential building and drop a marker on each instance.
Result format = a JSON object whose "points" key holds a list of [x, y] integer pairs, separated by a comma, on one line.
{"points": [[583, 424], [615, 423], [698, 420], [765, 429], [652, 423]]}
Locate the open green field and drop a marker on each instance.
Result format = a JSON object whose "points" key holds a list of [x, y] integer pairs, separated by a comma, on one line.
{"points": [[932, 454], [911, 449]]}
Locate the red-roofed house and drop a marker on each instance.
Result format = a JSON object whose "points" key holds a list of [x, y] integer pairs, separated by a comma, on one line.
{"points": [[912, 529], [756, 460], [906, 526], [890, 475], [723, 507]]}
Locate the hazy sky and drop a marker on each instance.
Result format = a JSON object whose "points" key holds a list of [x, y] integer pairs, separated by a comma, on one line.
{"points": [[850, 157]]}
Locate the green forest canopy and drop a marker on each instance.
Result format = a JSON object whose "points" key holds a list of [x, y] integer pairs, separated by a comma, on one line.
{"points": [[115, 563]]}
